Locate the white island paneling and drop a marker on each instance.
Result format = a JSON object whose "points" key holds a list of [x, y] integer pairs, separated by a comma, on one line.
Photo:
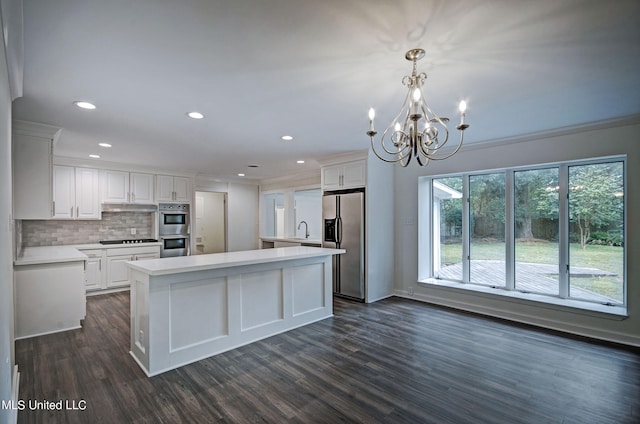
{"points": [[189, 308]]}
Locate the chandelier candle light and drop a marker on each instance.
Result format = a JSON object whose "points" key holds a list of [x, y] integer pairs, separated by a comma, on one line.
{"points": [[403, 140]]}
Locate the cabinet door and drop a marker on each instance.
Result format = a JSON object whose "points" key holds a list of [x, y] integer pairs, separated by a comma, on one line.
{"points": [[87, 199], [93, 273], [164, 188], [331, 177], [354, 175], [32, 177], [181, 190], [64, 192], [118, 271], [115, 187], [141, 188]]}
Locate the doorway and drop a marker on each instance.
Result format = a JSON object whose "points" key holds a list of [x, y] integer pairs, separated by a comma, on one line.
{"points": [[210, 229]]}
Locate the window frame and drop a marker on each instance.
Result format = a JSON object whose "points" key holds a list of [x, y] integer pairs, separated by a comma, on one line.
{"points": [[426, 242]]}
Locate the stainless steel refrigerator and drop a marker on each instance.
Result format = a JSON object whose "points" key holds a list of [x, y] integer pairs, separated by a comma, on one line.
{"points": [[343, 216]]}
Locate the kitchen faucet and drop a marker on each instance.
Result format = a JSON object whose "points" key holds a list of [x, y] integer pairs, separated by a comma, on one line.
{"points": [[306, 228]]}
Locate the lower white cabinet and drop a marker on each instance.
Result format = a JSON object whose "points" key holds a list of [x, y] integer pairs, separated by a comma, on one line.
{"points": [[106, 269], [94, 269], [117, 269], [48, 298]]}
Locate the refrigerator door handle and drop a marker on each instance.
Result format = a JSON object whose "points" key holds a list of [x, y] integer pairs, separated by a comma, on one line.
{"points": [[339, 230]]}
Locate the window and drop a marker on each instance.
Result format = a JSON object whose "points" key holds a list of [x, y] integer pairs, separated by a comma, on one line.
{"points": [[291, 213], [555, 230], [273, 215]]}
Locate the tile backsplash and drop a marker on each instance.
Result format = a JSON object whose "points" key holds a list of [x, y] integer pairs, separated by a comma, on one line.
{"points": [[112, 226]]}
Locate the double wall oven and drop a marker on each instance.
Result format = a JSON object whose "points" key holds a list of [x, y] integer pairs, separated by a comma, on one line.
{"points": [[173, 229]]}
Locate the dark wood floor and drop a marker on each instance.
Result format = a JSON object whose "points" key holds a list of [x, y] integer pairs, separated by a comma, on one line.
{"points": [[394, 361]]}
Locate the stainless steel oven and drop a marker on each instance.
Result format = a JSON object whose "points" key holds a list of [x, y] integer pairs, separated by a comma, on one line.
{"points": [[173, 219], [174, 246]]}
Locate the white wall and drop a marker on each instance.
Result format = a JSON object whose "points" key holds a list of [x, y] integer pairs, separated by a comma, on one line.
{"points": [[210, 222], [6, 240], [242, 209], [380, 228], [585, 144]]}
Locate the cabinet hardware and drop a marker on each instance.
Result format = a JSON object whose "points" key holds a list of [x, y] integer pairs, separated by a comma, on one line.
{"points": [[77, 211], [71, 211]]}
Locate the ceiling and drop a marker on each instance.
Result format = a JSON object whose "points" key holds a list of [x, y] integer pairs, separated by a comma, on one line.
{"points": [[261, 69]]}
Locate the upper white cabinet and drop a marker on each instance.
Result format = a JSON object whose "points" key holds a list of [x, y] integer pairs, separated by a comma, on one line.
{"points": [[32, 150], [141, 186], [76, 193], [344, 176], [170, 188], [125, 187]]}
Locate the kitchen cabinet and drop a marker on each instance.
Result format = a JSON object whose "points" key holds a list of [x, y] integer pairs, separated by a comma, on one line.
{"points": [[127, 187], [141, 186], [117, 269], [76, 193], [94, 271], [170, 188], [344, 176], [49, 294], [32, 166]]}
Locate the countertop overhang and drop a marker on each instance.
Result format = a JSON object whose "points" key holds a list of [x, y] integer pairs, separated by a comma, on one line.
{"points": [[48, 255], [180, 264]]}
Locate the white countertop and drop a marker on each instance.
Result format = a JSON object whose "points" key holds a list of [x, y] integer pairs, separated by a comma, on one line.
{"points": [[176, 265], [66, 253], [49, 254], [293, 240]]}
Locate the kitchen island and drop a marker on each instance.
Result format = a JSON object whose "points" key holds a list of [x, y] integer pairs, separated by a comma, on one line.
{"points": [[188, 308]]}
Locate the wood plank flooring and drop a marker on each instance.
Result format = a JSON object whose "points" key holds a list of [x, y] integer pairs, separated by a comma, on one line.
{"points": [[394, 361]]}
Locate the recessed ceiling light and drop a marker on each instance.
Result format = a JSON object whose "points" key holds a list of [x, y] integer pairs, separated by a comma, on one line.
{"points": [[104, 144], [195, 115], [300, 161], [85, 105], [287, 137], [241, 175], [95, 156]]}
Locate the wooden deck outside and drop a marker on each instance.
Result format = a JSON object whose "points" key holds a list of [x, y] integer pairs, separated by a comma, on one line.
{"points": [[530, 277]]}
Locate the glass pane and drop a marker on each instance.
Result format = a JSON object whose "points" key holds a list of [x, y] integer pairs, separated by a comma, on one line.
{"points": [[536, 231], [273, 215], [487, 229], [447, 228], [596, 231]]}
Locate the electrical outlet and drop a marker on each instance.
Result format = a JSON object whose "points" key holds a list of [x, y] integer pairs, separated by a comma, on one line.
{"points": [[133, 231], [141, 337], [410, 291]]}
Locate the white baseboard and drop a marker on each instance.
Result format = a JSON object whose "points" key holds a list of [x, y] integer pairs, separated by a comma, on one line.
{"points": [[538, 320]]}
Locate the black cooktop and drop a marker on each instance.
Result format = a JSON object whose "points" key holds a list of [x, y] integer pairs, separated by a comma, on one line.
{"points": [[130, 241]]}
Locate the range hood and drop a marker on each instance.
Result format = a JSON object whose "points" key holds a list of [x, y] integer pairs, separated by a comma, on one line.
{"points": [[128, 207]]}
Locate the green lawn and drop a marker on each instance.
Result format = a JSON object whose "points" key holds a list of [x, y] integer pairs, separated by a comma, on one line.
{"points": [[607, 258]]}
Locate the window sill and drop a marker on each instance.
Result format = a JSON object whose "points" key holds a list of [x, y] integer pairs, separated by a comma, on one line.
{"points": [[614, 312]]}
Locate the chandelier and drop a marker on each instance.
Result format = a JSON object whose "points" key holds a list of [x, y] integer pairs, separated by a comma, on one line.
{"points": [[404, 138]]}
